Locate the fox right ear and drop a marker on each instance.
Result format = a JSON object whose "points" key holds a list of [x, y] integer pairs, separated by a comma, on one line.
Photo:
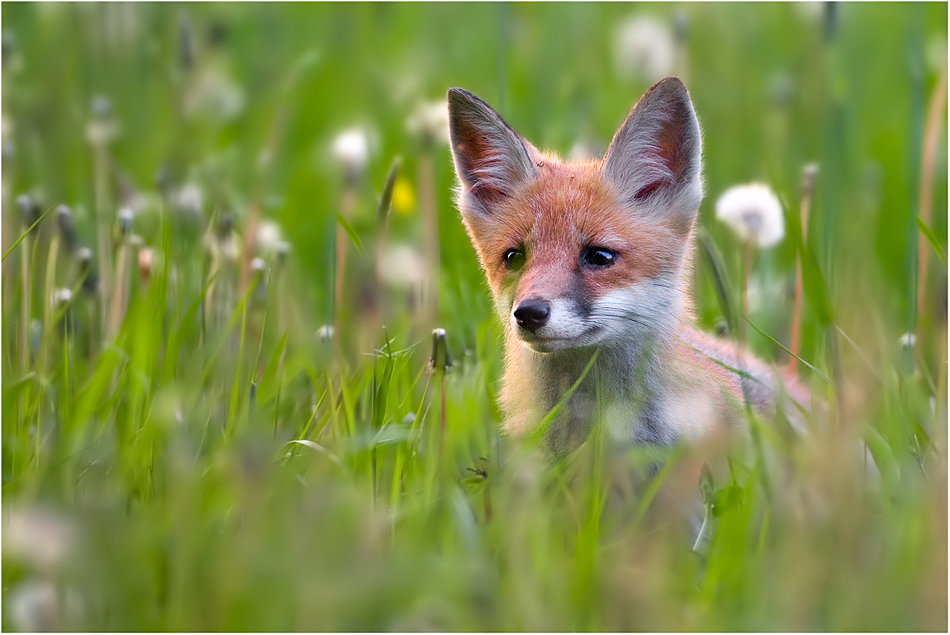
{"points": [[655, 158], [491, 159]]}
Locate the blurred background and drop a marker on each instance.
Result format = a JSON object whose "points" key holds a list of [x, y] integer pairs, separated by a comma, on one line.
{"points": [[244, 201]]}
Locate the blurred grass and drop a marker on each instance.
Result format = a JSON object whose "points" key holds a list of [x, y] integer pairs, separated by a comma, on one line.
{"points": [[212, 461]]}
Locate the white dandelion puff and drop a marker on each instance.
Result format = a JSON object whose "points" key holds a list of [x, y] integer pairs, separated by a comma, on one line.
{"points": [[325, 333], [754, 213], [644, 48], [351, 149], [37, 536], [126, 216], [810, 10], [269, 237], [402, 266], [102, 128], [189, 200], [907, 340], [38, 605], [214, 95], [61, 297], [430, 121], [34, 606]]}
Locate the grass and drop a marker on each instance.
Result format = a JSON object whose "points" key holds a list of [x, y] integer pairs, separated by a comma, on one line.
{"points": [[186, 449]]}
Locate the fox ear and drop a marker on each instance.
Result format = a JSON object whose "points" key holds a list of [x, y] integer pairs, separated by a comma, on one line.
{"points": [[654, 160], [491, 159]]}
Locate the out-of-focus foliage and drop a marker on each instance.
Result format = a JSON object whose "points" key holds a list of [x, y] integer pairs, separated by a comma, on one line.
{"points": [[218, 407]]}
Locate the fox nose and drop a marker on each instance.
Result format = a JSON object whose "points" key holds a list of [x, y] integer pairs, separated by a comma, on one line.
{"points": [[532, 314]]}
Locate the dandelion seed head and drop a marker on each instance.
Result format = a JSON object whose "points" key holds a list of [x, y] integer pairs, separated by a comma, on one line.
{"points": [[67, 227], [754, 213], [430, 121], [351, 149], [402, 266], [268, 237], [230, 249], [34, 606], [37, 605], [84, 256], [215, 95], [125, 220], [644, 47], [62, 296], [102, 129], [29, 209], [37, 536], [325, 332], [907, 340], [189, 199]]}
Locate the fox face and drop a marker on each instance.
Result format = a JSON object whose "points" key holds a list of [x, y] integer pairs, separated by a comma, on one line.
{"points": [[583, 254]]}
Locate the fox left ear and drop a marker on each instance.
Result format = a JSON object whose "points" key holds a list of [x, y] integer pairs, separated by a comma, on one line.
{"points": [[491, 159], [655, 160]]}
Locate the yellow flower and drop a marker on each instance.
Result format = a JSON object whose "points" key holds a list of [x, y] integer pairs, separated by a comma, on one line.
{"points": [[404, 197]]}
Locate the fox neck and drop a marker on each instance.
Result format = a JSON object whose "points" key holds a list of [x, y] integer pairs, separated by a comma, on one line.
{"points": [[623, 388]]}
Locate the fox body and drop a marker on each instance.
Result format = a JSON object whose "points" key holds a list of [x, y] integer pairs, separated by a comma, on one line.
{"points": [[594, 258]]}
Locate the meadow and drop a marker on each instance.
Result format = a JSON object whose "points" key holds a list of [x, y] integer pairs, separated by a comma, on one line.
{"points": [[229, 234]]}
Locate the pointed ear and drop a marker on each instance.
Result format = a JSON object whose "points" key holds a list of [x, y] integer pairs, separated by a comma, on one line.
{"points": [[654, 160], [491, 159]]}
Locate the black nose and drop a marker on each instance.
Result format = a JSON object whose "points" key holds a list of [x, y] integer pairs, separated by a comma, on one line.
{"points": [[532, 314]]}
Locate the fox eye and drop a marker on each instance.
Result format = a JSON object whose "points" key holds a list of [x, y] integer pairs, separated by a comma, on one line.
{"points": [[599, 257], [514, 259]]}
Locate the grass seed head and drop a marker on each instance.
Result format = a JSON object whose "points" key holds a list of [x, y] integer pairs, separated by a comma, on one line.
{"points": [[67, 226], [29, 209], [125, 221], [441, 359]]}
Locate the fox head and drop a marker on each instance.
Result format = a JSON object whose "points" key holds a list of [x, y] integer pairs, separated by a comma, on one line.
{"points": [[579, 254]]}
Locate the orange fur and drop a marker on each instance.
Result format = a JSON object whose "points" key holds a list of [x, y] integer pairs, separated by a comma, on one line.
{"points": [[602, 259]]}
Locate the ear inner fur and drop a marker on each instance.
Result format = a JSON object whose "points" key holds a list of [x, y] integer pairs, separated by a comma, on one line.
{"points": [[654, 160], [491, 159]]}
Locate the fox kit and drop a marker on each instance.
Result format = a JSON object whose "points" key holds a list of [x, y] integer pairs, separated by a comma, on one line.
{"points": [[594, 258]]}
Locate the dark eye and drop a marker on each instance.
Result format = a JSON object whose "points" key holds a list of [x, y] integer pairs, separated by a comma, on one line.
{"points": [[599, 257], [514, 259]]}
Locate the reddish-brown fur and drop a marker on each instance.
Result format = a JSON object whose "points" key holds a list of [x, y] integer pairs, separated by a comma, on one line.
{"points": [[568, 206], [656, 379]]}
